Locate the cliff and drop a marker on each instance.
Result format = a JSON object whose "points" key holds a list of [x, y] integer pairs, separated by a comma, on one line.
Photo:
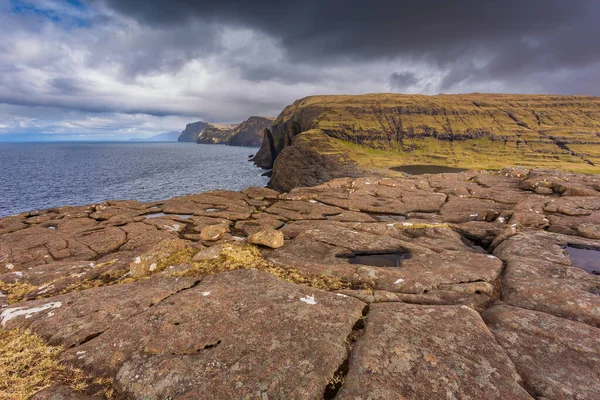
{"points": [[216, 134], [192, 131], [250, 132], [378, 132]]}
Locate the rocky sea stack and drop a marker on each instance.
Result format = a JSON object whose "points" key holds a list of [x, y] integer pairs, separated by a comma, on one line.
{"points": [[475, 284], [319, 138]]}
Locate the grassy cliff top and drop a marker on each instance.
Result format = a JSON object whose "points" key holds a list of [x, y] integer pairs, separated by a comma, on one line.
{"points": [[471, 130]]}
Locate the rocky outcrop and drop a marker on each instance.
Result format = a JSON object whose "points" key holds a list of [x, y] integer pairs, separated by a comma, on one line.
{"points": [[250, 132], [377, 132], [215, 135], [475, 284], [192, 131]]}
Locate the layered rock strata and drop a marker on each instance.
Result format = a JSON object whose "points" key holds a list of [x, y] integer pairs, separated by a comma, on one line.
{"points": [[319, 138]]}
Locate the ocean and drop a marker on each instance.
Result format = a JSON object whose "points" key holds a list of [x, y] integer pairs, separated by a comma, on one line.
{"points": [[36, 176]]}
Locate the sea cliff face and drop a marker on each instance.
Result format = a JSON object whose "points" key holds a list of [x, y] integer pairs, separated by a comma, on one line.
{"points": [[478, 284], [216, 134], [377, 132], [250, 132], [192, 131]]}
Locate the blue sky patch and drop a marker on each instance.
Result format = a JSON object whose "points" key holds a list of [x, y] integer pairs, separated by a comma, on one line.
{"points": [[68, 13]]}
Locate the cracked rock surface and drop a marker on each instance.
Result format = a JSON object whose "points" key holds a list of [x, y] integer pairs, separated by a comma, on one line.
{"points": [[462, 285]]}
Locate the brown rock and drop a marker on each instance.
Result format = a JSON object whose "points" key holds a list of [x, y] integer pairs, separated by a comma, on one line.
{"points": [[268, 238], [61, 392], [429, 352], [539, 276], [590, 231], [75, 318], [258, 223], [149, 262], [298, 210], [234, 335], [214, 232], [557, 358]]}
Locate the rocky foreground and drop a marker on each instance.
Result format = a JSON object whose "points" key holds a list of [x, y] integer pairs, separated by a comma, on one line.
{"points": [[452, 286]]}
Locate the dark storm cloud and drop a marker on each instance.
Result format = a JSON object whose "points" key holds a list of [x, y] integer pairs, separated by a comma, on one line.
{"points": [[400, 80], [223, 60], [472, 39]]}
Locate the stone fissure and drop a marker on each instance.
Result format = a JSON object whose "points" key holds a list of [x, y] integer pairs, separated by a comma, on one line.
{"points": [[337, 380]]}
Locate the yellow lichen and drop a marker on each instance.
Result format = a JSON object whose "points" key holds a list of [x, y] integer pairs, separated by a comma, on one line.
{"points": [[235, 257], [410, 225], [28, 365], [15, 292]]}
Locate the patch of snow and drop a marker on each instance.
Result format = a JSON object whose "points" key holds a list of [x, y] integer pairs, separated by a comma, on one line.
{"points": [[399, 281], [11, 313], [309, 300]]}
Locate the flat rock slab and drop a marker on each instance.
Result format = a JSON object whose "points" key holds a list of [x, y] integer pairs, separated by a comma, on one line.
{"points": [[242, 334], [539, 276], [429, 352], [77, 317], [557, 358]]}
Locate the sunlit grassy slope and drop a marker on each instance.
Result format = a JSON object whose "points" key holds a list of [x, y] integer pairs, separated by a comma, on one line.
{"points": [[471, 131]]}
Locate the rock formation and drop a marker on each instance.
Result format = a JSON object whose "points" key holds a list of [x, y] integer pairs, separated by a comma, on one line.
{"points": [[475, 284], [216, 134], [323, 137], [192, 131], [250, 132]]}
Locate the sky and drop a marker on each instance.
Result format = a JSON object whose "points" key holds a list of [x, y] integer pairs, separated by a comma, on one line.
{"points": [[115, 69]]}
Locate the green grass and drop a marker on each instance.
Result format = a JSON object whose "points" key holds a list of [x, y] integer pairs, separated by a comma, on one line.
{"points": [[380, 131]]}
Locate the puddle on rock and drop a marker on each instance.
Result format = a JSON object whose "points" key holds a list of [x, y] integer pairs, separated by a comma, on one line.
{"points": [[585, 259], [212, 210], [379, 259], [163, 215], [426, 169]]}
